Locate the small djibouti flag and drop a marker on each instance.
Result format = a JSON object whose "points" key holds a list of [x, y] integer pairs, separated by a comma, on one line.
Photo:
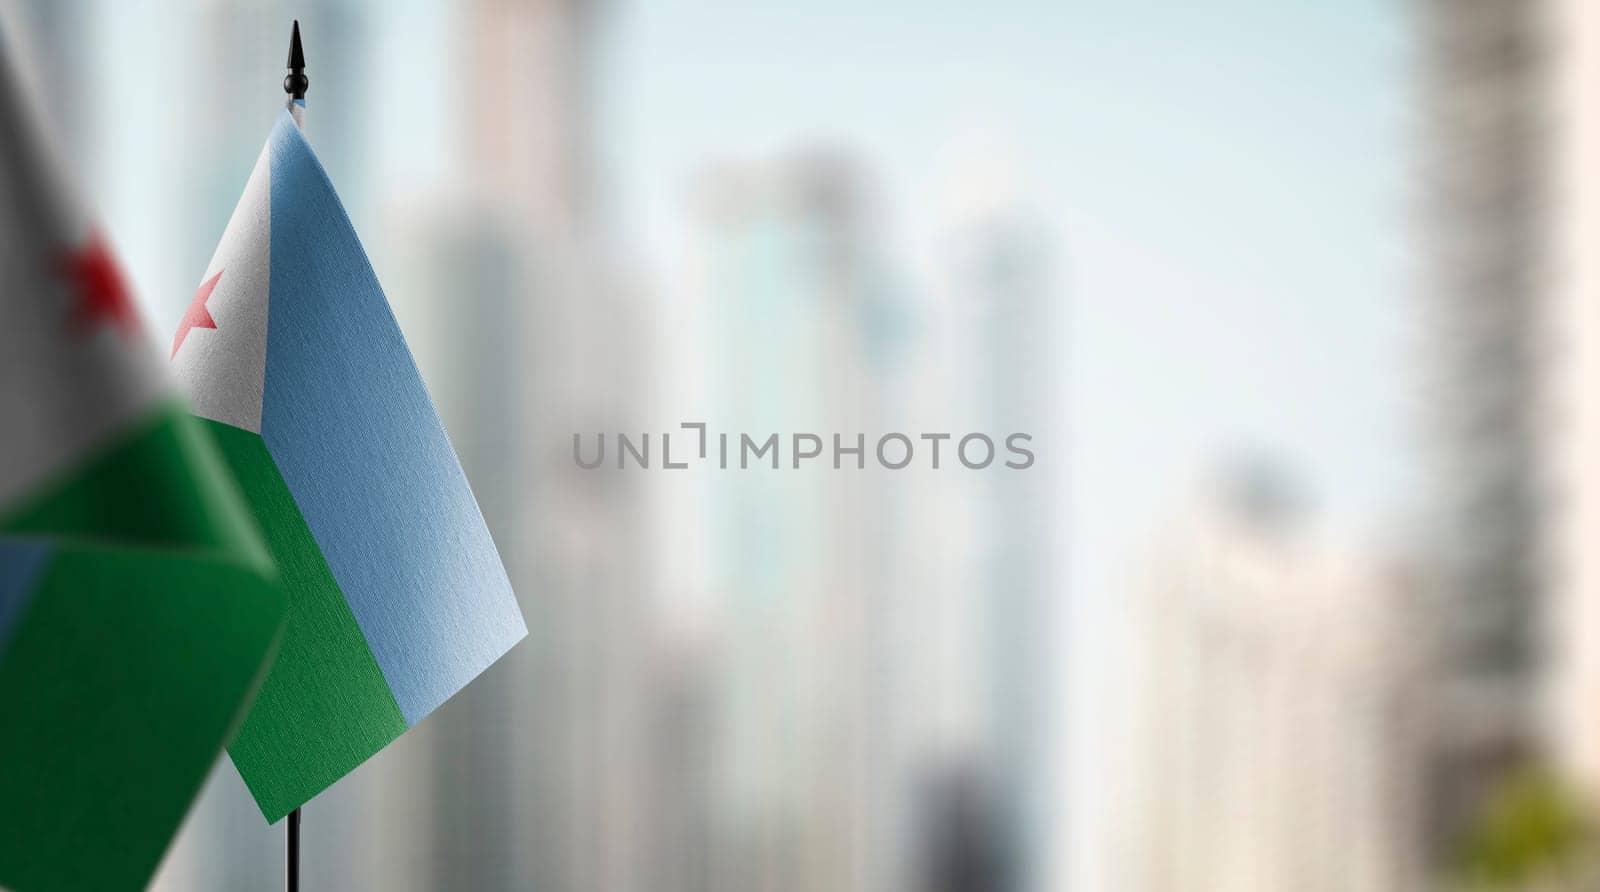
{"points": [[397, 596], [138, 603]]}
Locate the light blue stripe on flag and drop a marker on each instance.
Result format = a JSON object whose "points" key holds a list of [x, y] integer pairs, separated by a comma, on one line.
{"points": [[347, 419], [21, 564]]}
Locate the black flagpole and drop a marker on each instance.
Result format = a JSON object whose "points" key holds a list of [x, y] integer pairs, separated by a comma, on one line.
{"points": [[295, 84], [293, 871]]}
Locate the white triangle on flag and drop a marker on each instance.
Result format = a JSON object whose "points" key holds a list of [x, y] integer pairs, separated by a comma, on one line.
{"points": [[223, 368]]}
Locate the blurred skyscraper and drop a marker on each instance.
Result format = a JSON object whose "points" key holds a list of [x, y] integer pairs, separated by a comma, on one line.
{"points": [[538, 336], [1569, 411], [1003, 281], [796, 302], [1487, 258], [1277, 726]]}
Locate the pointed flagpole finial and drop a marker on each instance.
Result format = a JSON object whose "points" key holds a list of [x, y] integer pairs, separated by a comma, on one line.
{"points": [[296, 82]]}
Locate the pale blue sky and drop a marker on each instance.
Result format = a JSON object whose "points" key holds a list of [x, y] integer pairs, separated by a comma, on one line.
{"points": [[1225, 182]]}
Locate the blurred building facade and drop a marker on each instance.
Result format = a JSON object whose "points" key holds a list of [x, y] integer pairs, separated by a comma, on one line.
{"points": [[1485, 282], [1571, 405], [792, 288], [999, 313], [544, 336], [1276, 733], [1511, 200]]}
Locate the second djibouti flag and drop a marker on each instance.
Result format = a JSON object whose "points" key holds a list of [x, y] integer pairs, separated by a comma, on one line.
{"points": [[397, 596], [138, 604]]}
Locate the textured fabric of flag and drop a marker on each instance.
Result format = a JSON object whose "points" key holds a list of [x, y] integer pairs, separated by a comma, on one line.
{"points": [[397, 596], [138, 603]]}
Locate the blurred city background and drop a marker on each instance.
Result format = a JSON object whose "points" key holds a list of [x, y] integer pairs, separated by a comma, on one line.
{"points": [[1300, 302]]}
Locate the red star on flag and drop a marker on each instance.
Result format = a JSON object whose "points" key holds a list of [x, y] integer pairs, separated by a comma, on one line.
{"points": [[197, 316], [99, 292]]}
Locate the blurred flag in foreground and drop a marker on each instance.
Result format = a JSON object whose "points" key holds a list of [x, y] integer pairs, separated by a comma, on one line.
{"points": [[397, 597], [138, 604]]}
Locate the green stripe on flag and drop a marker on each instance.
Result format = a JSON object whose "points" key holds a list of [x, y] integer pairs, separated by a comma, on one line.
{"points": [[132, 660], [161, 484], [325, 707], [111, 641]]}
